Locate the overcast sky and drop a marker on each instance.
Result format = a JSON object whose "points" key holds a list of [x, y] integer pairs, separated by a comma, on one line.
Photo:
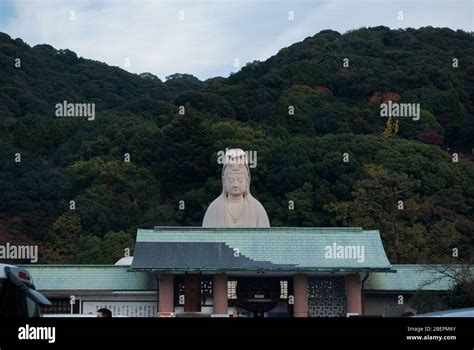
{"points": [[204, 38]]}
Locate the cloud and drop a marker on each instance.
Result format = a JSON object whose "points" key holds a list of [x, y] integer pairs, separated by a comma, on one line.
{"points": [[209, 35], [345, 15]]}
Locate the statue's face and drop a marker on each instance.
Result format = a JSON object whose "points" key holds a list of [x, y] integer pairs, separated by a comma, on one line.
{"points": [[235, 184]]}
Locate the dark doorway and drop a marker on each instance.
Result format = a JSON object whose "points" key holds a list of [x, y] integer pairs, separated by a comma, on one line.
{"points": [[258, 294], [192, 293]]}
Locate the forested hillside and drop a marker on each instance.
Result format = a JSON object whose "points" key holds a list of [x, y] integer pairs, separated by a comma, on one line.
{"points": [[312, 113]]}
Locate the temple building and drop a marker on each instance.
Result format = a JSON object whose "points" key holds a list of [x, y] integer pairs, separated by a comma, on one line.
{"points": [[243, 272], [258, 262]]}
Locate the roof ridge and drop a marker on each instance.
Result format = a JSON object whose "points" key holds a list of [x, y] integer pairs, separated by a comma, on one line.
{"points": [[274, 228]]}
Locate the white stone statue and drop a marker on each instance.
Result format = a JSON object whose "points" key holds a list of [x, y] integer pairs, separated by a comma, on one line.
{"points": [[235, 207]]}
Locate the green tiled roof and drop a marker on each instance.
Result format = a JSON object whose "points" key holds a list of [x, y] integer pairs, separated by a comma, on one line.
{"points": [[409, 278], [276, 248], [89, 277]]}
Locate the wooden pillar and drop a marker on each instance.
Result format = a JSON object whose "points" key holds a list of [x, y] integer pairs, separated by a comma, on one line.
{"points": [[300, 291], [220, 294], [166, 293], [192, 293], [354, 294]]}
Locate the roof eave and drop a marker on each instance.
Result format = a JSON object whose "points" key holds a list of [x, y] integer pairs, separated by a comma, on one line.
{"points": [[293, 270]]}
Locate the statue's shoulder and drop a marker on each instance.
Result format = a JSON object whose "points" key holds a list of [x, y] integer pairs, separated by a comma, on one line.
{"points": [[214, 212], [215, 203], [257, 204], [262, 216]]}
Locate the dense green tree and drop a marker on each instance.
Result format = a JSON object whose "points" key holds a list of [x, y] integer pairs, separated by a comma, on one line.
{"points": [[327, 155], [410, 227]]}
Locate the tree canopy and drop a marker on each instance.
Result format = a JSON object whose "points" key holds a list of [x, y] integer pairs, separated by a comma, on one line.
{"points": [[312, 113]]}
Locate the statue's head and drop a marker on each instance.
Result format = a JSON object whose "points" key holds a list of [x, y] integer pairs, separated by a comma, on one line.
{"points": [[236, 174]]}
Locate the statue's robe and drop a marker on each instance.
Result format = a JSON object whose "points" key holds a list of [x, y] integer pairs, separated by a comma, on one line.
{"points": [[253, 215]]}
